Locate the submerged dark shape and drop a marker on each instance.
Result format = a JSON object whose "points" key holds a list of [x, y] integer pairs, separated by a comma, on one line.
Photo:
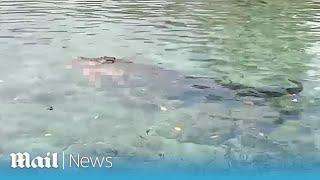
{"points": [[50, 108], [270, 91], [109, 72]]}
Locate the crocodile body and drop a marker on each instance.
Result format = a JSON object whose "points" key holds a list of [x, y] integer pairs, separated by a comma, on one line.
{"points": [[109, 72]]}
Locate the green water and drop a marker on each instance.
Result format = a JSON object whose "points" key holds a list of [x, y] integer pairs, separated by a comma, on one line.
{"points": [[252, 42]]}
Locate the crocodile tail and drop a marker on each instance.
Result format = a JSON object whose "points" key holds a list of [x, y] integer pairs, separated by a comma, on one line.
{"points": [[295, 90]]}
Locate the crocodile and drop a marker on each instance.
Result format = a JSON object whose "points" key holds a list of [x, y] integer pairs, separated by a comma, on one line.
{"points": [[112, 72]]}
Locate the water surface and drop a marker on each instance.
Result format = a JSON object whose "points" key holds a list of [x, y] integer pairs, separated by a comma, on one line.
{"points": [[252, 42]]}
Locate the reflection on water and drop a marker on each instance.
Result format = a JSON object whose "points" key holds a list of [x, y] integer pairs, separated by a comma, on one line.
{"points": [[252, 42]]}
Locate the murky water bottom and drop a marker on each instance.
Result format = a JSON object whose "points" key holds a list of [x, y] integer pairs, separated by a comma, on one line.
{"points": [[256, 43]]}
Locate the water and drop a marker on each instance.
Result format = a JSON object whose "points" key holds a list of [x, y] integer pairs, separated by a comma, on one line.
{"points": [[252, 42]]}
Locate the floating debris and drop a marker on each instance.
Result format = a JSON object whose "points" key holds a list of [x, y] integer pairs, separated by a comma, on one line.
{"points": [[50, 108], [177, 128], [162, 108], [294, 98], [214, 136], [161, 155], [317, 88], [96, 116], [48, 135], [141, 137], [261, 134], [250, 103]]}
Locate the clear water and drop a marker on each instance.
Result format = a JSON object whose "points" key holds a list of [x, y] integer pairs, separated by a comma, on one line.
{"points": [[252, 42]]}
